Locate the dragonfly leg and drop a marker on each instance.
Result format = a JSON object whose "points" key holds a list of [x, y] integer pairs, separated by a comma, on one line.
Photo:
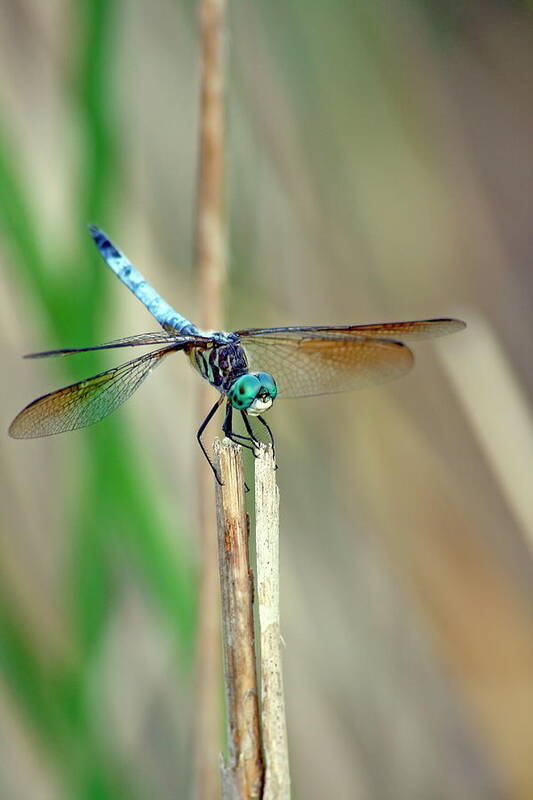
{"points": [[202, 428], [253, 437], [227, 427], [267, 426]]}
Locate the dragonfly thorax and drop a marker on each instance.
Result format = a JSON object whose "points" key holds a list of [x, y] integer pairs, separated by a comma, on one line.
{"points": [[254, 392], [221, 363]]}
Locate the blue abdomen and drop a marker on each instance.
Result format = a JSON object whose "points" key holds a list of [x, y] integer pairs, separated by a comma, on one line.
{"points": [[132, 278]]}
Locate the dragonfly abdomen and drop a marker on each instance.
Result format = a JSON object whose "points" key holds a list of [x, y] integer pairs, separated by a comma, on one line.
{"points": [[136, 283]]}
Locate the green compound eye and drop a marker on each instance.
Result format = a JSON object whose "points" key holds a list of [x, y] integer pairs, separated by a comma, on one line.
{"points": [[268, 384], [244, 391]]}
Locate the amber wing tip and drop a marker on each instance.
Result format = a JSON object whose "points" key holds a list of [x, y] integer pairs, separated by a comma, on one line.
{"points": [[449, 324], [458, 325]]}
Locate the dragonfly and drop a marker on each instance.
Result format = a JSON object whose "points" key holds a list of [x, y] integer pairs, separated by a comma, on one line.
{"points": [[250, 368]]}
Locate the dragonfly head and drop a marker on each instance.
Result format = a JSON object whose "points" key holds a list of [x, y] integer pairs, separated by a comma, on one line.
{"points": [[254, 392]]}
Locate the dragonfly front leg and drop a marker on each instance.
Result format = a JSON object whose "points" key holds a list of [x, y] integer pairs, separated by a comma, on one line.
{"points": [[227, 427], [248, 427], [267, 426], [202, 428]]}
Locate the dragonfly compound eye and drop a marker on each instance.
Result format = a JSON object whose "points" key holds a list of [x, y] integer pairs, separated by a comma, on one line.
{"points": [[268, 384], [244, 391]]}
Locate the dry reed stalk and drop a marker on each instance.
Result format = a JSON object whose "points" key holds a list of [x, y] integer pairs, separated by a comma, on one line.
{"points": [[210, 265], [273, 725], [242, 777]]}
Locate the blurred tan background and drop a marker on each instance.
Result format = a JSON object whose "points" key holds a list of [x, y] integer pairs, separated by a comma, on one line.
{"points": [[379, 167]]}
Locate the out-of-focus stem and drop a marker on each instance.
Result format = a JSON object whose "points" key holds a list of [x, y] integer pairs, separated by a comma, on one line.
{"points": [[210, 239], [210, 258]]}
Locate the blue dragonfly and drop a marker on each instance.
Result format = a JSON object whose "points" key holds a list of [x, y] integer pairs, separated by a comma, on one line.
{"points": [[250, 368]]}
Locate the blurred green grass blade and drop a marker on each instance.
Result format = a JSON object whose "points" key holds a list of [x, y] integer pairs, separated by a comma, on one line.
{"points": [[126, 509], [16, 221], [27, 675], [98, 785], [100, 172], [113, 493], [89, 578], [117, 512], [52, 697], [51, 288]]}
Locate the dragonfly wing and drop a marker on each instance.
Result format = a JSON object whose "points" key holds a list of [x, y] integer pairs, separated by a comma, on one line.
{"points": [[177, 341], [311, 363], [86, 402], [410, 330], [413, 330]]}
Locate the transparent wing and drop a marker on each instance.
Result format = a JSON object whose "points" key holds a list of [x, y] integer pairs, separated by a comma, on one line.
{"points": [[412, 330], [146, 339], [86, 402], [312, 363]]}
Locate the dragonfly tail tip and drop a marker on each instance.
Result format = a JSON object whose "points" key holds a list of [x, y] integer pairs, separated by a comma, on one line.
{"points": [[94, 230]]}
